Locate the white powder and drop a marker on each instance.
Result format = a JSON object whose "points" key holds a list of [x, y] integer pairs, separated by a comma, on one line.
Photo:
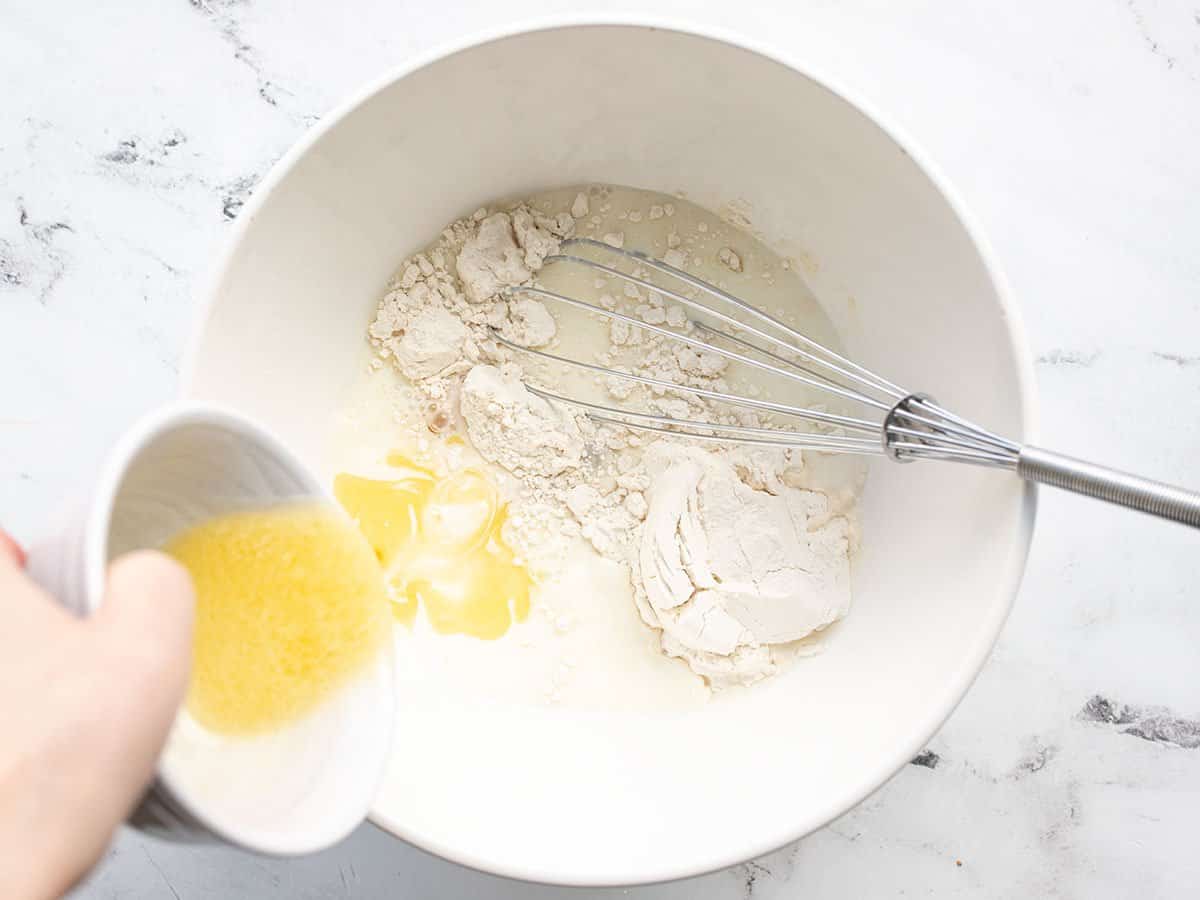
{"points": [[726, 569], [728, 556], [516, 429], [529, 323], [436, 317], [425, 340], [675, 258], [579, 207], [491, 259]]}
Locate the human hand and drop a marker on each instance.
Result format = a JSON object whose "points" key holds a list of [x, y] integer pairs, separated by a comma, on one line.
{"points": [[86, 705]]}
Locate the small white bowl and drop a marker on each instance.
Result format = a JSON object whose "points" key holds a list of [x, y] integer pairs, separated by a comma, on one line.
{"points": [[606, 797], [296, 790]]}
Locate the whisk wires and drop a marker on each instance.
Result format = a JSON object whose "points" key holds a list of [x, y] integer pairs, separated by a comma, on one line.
{"points": [[903, 425]]}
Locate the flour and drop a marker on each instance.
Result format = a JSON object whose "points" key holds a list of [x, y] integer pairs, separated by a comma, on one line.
{"points": [[491, 260], [529, 323], [516, 429], [425, 340], [728, 555], [726, 569], [436, 318], [579, 206]]}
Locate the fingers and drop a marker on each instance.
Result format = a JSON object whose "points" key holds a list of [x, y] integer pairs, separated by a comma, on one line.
{"points": [[94, 700], [140, 646], [103, 695], [144, 627], [147, 615], [18, 592], [10, 550]]}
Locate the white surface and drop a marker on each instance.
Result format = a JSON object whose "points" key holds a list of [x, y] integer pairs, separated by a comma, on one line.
{"points": [[1070, 132], [891, 263]]}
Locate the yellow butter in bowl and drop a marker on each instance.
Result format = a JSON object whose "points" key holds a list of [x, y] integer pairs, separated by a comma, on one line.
{"points": [[290, 604], [440, 544]]}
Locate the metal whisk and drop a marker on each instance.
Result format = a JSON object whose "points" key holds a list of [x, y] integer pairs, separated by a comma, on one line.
{"points": [[896, 422]]}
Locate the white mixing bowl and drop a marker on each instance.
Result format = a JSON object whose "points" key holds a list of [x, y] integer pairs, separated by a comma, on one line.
{"points": [[612, 798]]}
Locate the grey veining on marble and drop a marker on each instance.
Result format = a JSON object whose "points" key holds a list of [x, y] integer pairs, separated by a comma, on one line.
{"points": [[132, 132]]}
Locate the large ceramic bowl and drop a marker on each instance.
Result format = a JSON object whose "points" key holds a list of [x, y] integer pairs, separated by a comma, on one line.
{"points": [[619, 798]]}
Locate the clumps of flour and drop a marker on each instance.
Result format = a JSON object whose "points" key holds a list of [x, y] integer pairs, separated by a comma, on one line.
{"points": [[435, 319], [728, 570], [730, 557], [506, 249], [427, 341], [517, 429]]}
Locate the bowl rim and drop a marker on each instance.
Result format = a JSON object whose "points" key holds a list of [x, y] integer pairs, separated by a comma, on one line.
{"points": [[959, 682]]}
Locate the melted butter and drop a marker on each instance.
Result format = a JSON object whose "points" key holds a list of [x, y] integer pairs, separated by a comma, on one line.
{"points": [[438, 540], [289, 605]]}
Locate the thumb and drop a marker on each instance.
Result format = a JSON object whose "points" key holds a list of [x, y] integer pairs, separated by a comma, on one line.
{"points": [[145, 632]]}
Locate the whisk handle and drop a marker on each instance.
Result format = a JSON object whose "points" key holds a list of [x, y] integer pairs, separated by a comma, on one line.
{"points": [[1163, 500]]}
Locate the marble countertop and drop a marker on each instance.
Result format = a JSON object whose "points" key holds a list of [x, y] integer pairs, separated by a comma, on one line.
{"points": [[133, 131]]}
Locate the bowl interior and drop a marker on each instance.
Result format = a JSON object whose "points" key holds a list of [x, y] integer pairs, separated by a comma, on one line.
{"points": [[612, 797]]}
